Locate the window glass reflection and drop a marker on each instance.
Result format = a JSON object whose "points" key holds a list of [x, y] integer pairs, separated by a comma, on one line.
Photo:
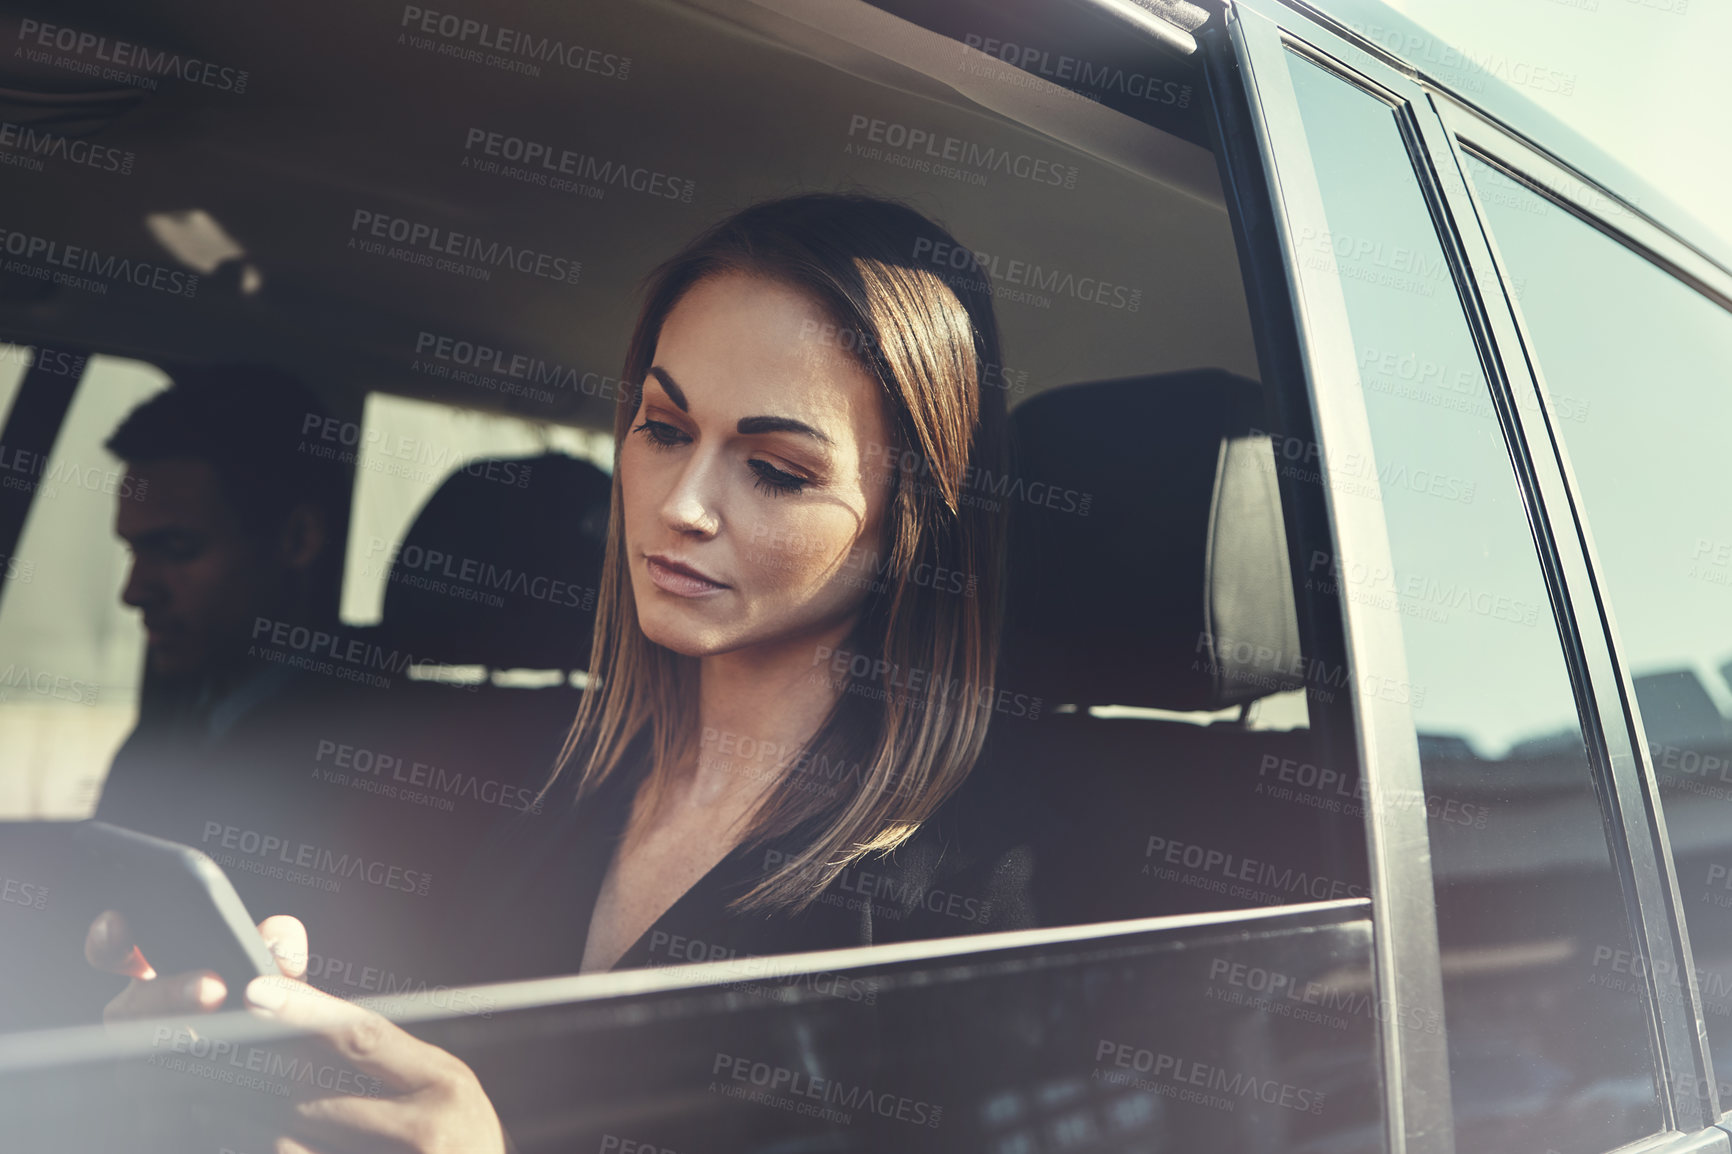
{"points": [[1543, 1052], [1636, 364]]}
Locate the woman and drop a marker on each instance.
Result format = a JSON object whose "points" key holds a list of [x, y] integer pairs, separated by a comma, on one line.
{"points": [[794, 655]]}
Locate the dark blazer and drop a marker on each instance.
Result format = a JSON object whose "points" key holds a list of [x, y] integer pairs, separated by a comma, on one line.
{"points": [[525, 902]]}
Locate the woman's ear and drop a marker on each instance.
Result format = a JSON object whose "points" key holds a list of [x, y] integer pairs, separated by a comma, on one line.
{"points": [[303, 538]]}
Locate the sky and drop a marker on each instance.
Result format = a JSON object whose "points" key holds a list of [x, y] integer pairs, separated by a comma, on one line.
{"points": [[1651, 82]]}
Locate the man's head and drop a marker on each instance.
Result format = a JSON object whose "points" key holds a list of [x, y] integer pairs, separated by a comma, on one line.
{"points": [[232, 520]]}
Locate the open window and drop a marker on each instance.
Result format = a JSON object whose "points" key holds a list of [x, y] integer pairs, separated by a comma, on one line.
{"points": [[1178, 702]]}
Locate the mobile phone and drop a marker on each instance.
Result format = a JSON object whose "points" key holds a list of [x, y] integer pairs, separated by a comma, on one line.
{"points": [[182, 909]]}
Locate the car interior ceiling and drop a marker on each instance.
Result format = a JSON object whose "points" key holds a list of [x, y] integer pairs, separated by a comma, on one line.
{"points": [[748, 101]]}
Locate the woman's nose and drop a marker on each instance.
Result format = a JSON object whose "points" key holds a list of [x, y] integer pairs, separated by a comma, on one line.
{"points": [[691, 505]]}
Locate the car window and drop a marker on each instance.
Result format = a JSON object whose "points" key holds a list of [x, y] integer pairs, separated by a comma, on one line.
{"points": [[403, 450], [1542, 1055], [70, 653], [441, 289], [1635, 366]]}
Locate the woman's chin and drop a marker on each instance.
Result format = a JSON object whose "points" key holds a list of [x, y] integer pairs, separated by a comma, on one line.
{"points": [[686, 641]]}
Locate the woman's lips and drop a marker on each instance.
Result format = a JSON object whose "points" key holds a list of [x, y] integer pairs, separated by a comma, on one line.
{"points": [[680, 580]]}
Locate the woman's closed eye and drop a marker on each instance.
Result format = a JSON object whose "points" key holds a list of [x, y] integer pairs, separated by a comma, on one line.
{"points": [[765, 476], [661, 434], [775, 481]]}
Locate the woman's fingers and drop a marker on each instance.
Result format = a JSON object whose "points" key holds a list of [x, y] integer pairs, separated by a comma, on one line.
{"points": [[363, 1039], [287, 939], [108, 946], [451, 1115], [177, 994]]}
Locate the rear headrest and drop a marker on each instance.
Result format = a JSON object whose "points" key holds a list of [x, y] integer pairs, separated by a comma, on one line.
{"points": [[502, 566], [1153, 569]]}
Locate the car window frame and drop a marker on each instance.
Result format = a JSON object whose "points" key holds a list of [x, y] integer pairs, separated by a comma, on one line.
{"points": [[1431, 117], [1471, 134]]}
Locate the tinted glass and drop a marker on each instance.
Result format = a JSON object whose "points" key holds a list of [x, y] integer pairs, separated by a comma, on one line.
{"points": [[1541, 1054], [1639, 369]]}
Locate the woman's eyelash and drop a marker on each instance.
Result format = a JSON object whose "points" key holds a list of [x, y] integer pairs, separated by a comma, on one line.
{"points": [[774, 481], [660, 433], [766, 477]]}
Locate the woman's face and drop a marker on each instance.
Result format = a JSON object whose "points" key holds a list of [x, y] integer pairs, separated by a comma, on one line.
{"points": [[754, 477]]}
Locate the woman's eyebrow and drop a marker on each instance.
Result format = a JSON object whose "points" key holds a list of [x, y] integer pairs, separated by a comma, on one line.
{"points": [[750, 425], [746, 425], [674, 392]]}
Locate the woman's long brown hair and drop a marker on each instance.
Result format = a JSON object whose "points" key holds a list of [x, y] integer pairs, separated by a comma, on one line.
{"points": [[913, 308]]}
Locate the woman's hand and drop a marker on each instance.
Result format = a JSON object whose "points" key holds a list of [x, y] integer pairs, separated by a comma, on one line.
{"points": [[425, 1100]]}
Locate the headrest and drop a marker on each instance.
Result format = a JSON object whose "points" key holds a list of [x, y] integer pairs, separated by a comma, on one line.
{"points": [[502, 566], [1148, 560]]}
